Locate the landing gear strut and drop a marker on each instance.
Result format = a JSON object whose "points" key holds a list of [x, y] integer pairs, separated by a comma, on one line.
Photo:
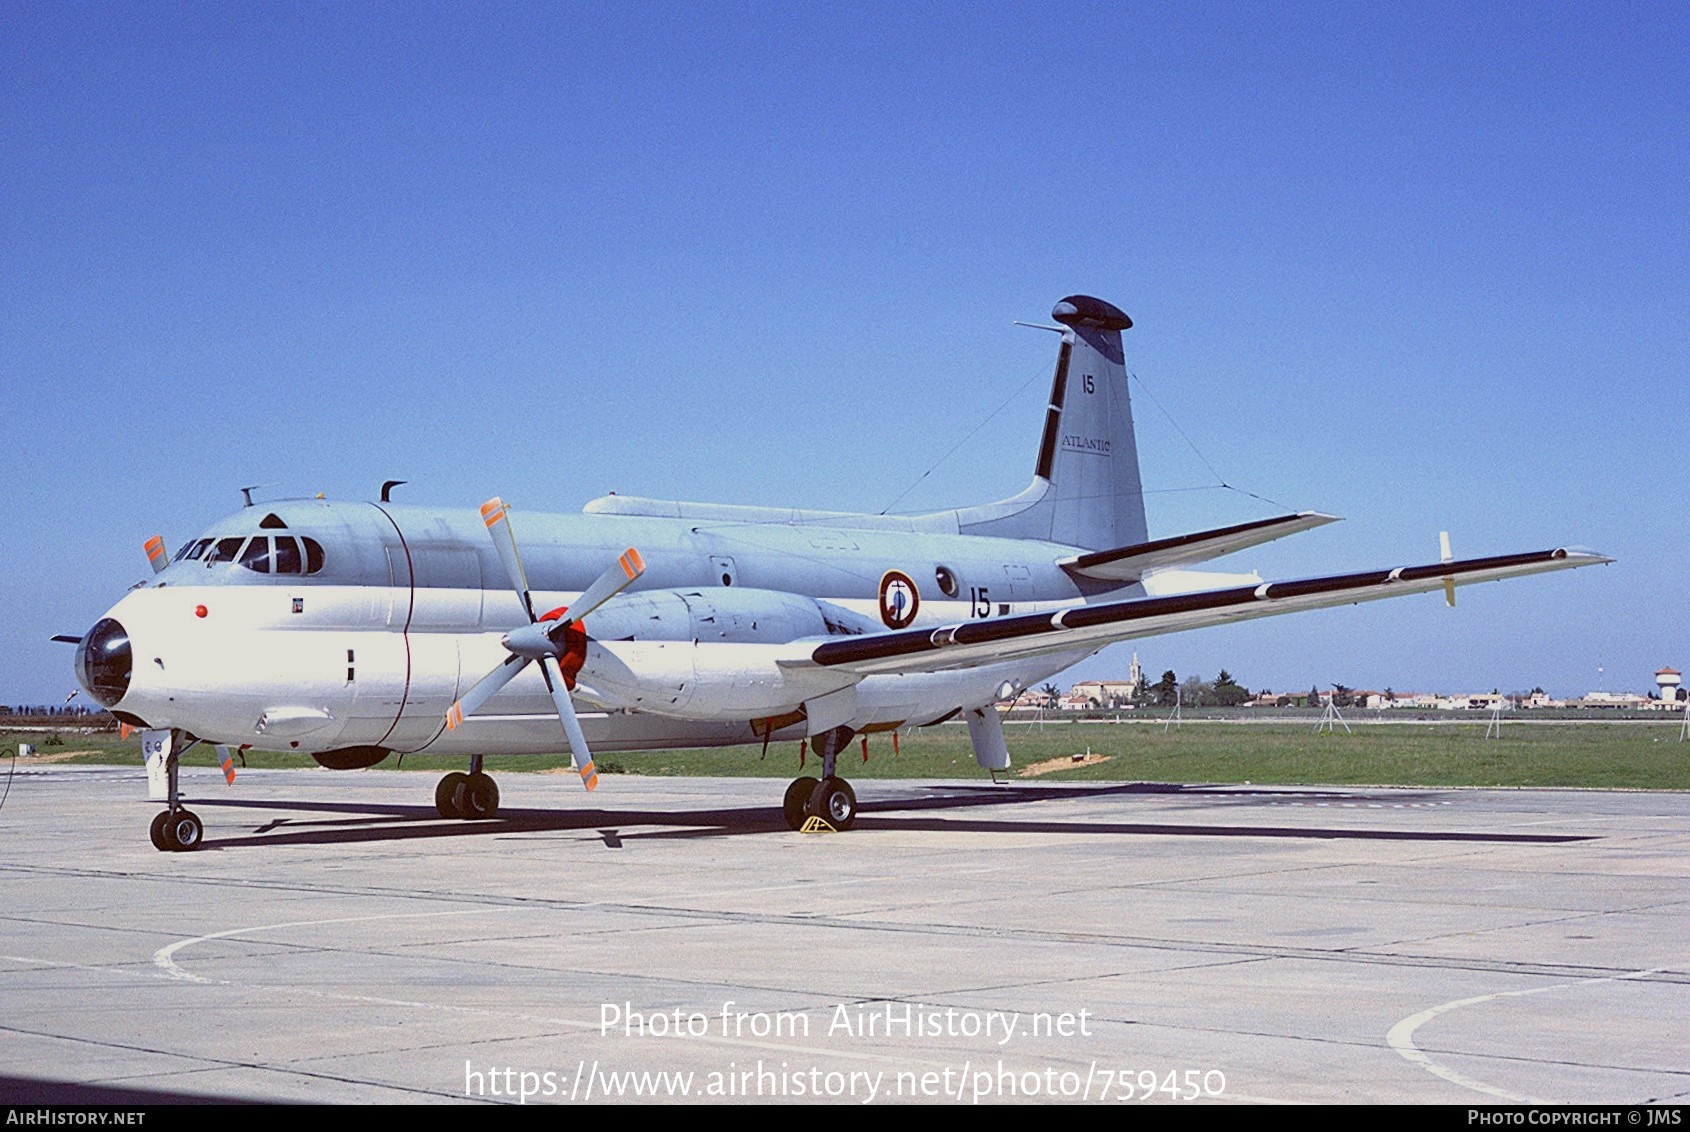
{"points": [[830, 797], [178, 828], [472, 795]]}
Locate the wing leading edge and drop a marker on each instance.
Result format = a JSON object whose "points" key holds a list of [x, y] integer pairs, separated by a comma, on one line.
{"points": [[972, 643]]}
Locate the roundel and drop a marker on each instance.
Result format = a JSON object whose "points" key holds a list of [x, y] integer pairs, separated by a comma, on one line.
{"points": [[898, 599]]}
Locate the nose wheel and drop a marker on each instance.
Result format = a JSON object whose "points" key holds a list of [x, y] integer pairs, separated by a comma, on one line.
{"points": [[829, 798]]}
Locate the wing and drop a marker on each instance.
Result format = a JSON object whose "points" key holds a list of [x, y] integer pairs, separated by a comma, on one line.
{"points": [[973, 643], [1129, 563]]}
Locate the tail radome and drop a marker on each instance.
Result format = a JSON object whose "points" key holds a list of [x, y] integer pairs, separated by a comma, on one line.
{"points": [[1086, 489]]}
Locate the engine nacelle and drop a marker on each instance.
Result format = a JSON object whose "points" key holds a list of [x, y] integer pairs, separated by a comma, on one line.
{"points": [[728, 615], [710, 653], [696, 680]]}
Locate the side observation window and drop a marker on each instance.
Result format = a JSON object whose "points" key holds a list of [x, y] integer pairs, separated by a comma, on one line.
{"points": [[257, 555], [193, 550], [287, 555], [313, 555], [226, 550]]}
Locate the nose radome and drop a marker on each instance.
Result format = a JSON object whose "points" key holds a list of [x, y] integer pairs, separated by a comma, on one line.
{"points": [[104, 662]]}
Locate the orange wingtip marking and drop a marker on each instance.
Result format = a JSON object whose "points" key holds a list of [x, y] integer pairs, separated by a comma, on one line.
{"points": [[454, 717], [123, 730], [632, 564], [155, 546], [592, 783]]}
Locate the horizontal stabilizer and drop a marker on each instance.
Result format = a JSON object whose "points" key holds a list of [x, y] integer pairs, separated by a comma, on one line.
{"points": [[1130, 563], [1087, 627]]}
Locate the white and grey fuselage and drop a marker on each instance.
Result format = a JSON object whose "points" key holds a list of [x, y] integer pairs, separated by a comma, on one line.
{"points": [[375, 617]]}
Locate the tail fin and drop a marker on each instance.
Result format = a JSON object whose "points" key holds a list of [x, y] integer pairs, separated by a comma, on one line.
{"points": [[1086, 489]]}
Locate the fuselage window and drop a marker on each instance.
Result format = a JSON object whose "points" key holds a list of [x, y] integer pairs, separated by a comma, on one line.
{"points": [[226, 550], [313, 555], [257, 556], [287, 555], [946, 580]]}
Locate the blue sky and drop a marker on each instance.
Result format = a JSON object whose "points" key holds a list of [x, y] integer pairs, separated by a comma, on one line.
{"points": [[1424, 268]]}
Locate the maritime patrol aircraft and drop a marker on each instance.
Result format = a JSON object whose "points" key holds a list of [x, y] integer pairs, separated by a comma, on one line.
{"points": [[358, 630]]}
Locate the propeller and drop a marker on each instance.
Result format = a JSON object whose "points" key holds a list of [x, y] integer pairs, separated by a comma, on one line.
{"points": [[544, 638]]}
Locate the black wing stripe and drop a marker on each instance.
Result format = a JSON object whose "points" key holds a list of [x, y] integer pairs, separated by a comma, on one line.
{"points": [[1085, 616], [1419, 573], [1328, 585], [1105, 557]]}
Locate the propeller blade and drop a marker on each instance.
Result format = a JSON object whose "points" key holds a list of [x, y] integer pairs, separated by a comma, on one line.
{"points": [[156, 553], [607, 585], [571, 726], [485, 689], [497, 517], [1446, 556], [227, 762]]}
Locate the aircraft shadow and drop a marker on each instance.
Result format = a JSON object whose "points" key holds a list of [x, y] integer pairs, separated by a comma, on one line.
{"points": [[925, 809]]}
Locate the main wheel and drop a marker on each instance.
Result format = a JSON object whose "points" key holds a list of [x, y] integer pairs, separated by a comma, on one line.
{"points": [[839, 804], [480, 798], [797, 798], [160, 833], [449, 794], [185, 830]]}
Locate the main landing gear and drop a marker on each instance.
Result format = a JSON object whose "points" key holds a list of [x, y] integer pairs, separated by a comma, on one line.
{"points": [[178, 828], [829, 798], [472, 795]]}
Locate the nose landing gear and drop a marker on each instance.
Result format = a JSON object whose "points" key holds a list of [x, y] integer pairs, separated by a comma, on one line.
{"points": [[828, 798], [176, 829]]}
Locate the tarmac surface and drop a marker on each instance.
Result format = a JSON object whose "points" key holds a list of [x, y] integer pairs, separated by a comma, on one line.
{"points": [[670, 939]]}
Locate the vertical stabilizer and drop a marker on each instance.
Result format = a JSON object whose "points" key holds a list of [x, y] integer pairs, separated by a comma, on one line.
{"points": [[1086, 489]]}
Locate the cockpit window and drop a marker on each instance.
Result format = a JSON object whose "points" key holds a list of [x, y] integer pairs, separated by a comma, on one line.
{"points": [[262, 554], [257, 555], [192, 551], [226, 550], [272, 522], [287, 555]]}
